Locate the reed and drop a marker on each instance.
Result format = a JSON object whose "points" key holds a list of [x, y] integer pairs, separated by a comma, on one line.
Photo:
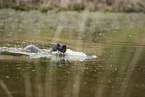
{"points": [[5, 88]]}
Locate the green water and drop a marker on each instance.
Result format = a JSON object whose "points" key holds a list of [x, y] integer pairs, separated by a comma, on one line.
{"points": [[117, 39]]}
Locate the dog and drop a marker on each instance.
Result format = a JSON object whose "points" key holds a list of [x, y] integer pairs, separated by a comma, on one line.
{"points": [[59, 47]]}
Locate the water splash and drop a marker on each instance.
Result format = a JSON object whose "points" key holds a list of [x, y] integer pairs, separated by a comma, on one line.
{"points": [[70, 55]]}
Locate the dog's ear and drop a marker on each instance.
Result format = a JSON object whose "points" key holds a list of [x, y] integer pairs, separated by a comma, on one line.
{"points": [[64, 46], [58, 44]]}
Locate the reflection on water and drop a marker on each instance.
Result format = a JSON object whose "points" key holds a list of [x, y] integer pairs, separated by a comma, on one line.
{"points": [[117, 39]]}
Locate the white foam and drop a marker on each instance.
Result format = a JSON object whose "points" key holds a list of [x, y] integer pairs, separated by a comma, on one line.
{"points": [[70, 55]]}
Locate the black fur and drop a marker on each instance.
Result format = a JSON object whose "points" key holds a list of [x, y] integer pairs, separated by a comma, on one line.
{"points": [[59, 47]]}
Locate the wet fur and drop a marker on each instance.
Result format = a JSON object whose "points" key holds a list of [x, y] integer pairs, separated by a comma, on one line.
{"points": [[59, 47]]}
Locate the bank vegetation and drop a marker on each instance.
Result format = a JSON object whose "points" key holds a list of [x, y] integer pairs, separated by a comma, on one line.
{"points": [[91, 5]]}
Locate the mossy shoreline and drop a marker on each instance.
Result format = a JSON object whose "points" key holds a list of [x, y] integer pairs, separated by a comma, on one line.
{"points": [[74, 5]]}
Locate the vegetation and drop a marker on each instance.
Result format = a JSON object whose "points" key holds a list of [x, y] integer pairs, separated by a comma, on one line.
{"points": [[91, 5]]}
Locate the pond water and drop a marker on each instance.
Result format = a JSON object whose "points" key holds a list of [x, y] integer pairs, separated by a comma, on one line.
{"points": [[117, 40]]}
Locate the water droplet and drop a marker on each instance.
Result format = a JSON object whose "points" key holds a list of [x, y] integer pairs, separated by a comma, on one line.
{"points": [[7, 77], [18, 68]]}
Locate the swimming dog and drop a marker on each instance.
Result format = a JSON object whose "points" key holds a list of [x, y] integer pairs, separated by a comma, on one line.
{"points": [[58, 47]]}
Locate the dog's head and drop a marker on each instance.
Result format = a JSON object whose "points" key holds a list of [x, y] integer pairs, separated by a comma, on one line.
{"points": [[59, 47], [63, 49]]}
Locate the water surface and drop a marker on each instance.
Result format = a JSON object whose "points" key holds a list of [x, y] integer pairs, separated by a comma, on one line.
{"points": [[117, 39]]}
